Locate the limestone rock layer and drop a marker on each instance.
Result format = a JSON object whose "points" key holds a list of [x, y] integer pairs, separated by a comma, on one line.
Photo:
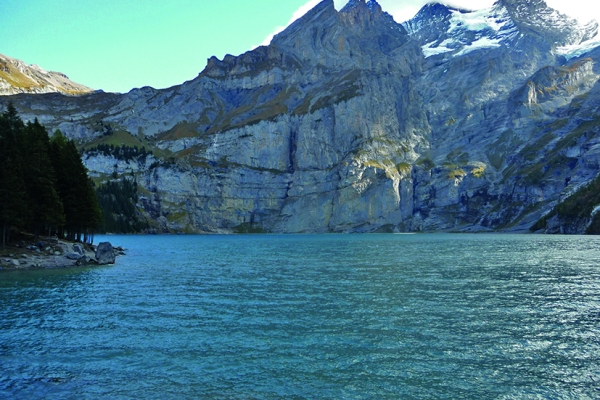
{"points": [[351, 122]]}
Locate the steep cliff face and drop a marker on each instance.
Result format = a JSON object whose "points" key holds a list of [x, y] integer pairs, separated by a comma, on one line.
{"points": [[495, 90], [350, 122], [18, 77]]}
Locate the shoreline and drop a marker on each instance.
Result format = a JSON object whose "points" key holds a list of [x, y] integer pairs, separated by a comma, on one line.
{"points": [[54, 253]]}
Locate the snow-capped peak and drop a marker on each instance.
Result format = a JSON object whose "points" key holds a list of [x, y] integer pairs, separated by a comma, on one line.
{"points": [[444, 29], [462, 31]]}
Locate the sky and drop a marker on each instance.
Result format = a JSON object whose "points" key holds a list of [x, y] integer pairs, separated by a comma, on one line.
{"points": [[117, 45]]}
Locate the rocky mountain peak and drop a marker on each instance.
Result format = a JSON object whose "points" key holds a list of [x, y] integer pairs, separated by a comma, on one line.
{"points": [[322, 38], [363, 13], [371, 5], [516, 24], [435, 10], [431, 21], [344, 38], [522, 3], [535, 16], [352, 4], [442, 29], [320, 14]]}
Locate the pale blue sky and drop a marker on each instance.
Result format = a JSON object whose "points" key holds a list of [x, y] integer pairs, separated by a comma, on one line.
{"points": [[116, 45]]}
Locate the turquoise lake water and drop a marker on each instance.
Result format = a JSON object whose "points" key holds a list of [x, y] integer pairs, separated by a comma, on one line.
{"points": [[331, 316]]}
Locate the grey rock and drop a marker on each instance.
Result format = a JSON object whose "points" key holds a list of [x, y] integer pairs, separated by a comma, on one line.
{"points": [[73, 256], [119, 250], [105, 254], [63, 248], [78, 248], [85, 260]]}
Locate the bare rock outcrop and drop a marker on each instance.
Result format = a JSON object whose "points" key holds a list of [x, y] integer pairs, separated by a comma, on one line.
{"points": [[105, 254], [351, 122]]}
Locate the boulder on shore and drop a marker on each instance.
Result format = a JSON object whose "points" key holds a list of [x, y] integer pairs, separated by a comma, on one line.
{"points": [[105, 253], [78, 248], [85, 260]]}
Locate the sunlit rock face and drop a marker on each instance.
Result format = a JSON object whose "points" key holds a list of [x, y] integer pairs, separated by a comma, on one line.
{"points": [[351, 122], [18, 77]]}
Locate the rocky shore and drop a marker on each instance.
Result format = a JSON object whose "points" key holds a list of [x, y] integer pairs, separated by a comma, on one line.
{"points": [[55, 253]]}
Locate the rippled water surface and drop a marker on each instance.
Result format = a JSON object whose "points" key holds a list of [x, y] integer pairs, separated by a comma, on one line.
{"points": [[336, 316]]}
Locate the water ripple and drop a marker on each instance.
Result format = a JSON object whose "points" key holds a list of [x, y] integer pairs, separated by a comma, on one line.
{"points": [[337, 316]]}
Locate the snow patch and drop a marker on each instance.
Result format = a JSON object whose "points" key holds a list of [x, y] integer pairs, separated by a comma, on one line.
{"points": [[483, 43], [578, 50], [429, 51], [473, 30], [476, 21]]}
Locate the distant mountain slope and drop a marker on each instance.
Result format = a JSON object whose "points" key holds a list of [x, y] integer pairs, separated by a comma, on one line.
{"points": [[18, 77]]}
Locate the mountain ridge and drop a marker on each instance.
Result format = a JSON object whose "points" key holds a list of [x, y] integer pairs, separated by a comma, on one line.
{"points": [[18, 77], [345, 123]]}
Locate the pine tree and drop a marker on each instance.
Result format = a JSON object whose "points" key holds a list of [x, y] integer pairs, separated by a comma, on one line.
{"points": [[118, 202], [82, 211], [43, 182], [13, 194], [40, 178]]}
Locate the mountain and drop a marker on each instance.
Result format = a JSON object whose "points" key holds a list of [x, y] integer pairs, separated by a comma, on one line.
{"points": [[18, 77], [519, 24], [350, 122]]}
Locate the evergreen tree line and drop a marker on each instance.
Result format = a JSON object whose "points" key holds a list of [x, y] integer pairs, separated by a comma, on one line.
{"points": [[118, 201], [576, 209], [44, 186], [122, 152]]}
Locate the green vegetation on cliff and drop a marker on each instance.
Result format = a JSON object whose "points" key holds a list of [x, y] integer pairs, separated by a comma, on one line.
{"points": [[118, 201], [576, 210], [122, 152]]}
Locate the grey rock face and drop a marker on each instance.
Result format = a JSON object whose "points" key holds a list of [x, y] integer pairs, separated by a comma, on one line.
{"points": [[105, 254], [78, 248], [350, 122]]}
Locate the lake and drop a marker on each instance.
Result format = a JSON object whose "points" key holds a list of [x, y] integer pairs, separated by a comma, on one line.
{"points": [[310, 316]]}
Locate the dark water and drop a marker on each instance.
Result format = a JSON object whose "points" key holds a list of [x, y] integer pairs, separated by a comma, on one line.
{"points": [[340, 316]]}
